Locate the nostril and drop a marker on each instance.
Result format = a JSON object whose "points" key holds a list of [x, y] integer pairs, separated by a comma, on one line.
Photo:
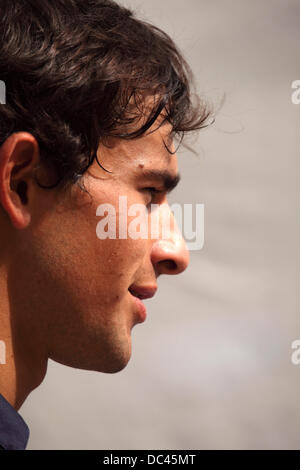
{"points": [[169, 257], [168, 264]]}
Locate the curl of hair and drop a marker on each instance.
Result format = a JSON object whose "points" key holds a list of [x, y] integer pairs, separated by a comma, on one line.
{"points": [[78, 71]]}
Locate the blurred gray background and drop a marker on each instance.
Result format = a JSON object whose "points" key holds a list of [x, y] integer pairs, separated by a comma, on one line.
{"points": [[211, 366]]}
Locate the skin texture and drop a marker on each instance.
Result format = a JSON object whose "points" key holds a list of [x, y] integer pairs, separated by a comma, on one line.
{"points": [[63, 291]]}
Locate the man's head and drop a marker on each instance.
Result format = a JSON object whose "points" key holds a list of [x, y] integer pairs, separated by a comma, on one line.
{"points": [[94, 99]]}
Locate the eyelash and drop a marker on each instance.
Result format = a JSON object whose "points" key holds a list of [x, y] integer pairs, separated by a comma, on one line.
{"points": [[153, 191]]}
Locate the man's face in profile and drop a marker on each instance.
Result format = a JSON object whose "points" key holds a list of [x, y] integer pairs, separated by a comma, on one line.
{"points": [[93, 97], [84, 306]]}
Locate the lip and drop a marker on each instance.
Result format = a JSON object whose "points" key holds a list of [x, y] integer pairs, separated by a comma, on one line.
{"points": [[142, 292], [138, 293], [140, 310]]}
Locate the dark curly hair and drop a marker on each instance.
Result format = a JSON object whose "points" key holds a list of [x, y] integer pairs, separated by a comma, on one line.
{"points": [[78, 71]]}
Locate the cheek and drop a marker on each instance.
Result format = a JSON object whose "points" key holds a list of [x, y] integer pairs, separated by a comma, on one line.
{"points": [[115, 223], [81, 266], [88, 268]]}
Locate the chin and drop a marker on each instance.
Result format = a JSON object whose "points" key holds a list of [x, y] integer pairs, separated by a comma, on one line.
{"points": [[109, 367], [109, 362], [113, 368], [115, 357]]}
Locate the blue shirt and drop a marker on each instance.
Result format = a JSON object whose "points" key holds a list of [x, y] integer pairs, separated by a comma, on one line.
{"points": [[14, 432]]}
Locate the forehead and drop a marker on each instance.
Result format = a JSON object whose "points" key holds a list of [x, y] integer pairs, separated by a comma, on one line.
{"points": [[146, 152]]}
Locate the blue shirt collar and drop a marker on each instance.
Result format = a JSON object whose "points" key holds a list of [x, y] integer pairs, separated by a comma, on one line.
{"points": [[14, 432]]}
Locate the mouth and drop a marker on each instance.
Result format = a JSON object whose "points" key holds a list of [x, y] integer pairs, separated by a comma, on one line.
{"points": [[140, 293]]}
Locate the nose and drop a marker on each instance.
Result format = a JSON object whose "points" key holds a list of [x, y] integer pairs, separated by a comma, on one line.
{"points": [[169, 254]]}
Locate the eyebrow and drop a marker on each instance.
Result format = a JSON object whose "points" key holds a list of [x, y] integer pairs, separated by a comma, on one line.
{"points": [[166, 179]]}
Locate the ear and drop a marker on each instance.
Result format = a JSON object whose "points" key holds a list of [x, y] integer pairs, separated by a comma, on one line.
{"points": [[19, 155]]}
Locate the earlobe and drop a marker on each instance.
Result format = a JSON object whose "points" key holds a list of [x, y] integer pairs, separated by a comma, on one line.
{"points": [[18, 157]]}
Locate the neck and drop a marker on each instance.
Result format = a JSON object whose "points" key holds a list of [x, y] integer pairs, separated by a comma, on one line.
{"points": [[23, 362]]}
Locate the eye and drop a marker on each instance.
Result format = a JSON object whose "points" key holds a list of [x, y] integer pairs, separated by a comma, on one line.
{"points": [[154, 192]]}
